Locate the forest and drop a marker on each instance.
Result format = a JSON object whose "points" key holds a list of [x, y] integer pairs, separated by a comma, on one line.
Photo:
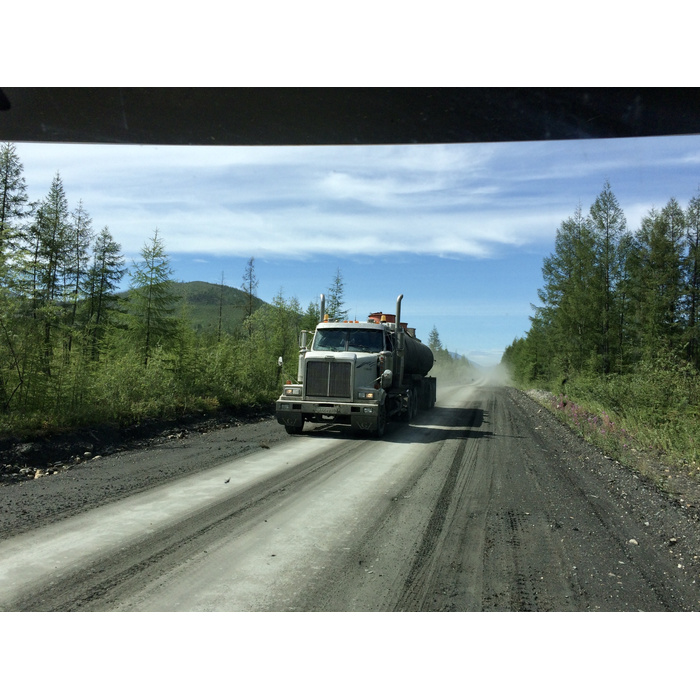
{"points": [[86, 339], [616, 334]]}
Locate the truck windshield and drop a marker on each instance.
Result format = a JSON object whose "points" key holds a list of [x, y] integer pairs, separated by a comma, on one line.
{"points": [[348, 339]]}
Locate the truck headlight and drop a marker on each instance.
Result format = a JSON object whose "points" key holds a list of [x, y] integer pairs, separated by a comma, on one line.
{"points": [[292, 391], [365, 394]]}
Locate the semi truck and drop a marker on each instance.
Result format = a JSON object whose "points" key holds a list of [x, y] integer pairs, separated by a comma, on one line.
{"points": [[361, 374]]}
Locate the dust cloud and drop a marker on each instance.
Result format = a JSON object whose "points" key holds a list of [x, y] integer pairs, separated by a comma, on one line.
{"points": [[498, 375], [460, 373]]}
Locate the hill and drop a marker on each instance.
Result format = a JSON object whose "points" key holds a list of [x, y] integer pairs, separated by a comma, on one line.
{"points": [[204, 300]]}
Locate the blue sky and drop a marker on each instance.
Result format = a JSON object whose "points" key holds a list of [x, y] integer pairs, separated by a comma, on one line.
{"points": [[460, 230]]}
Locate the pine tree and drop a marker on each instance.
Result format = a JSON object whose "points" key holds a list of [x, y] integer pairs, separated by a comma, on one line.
{"points": [[608, 225], [655, 269], [692, 280], [42, 259], [221, 308], [250, 287], [152, 300], [434, 342], [336, 298], [625, 306], [103, 278], [311, 317], [13, 196], [46, 247], [571, 297], [80, 235]]}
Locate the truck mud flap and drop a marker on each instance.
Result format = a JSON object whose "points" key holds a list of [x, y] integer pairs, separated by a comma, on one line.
{"points": [[293, 420], [363, 422]]}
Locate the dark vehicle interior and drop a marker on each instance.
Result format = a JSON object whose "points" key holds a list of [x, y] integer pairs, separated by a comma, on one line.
{"points": [[296, 116]]}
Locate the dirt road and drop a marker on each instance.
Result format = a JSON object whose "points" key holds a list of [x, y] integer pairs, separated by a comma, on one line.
{"points": [[484, 504]]}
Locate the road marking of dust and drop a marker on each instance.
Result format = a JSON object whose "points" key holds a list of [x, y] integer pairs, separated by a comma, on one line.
{"points": [[33, 557]]}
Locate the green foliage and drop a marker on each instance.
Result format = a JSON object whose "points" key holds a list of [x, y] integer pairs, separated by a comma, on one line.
{"points": [[211, 303], [655, 409], [152, 300], [274, 333], [13, 198], [75, 351], [311, 317], [616, 337], [691, 335]]}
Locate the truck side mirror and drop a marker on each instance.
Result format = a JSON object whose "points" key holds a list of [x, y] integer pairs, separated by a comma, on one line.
{"points": [[280, 361], [387, 378]]}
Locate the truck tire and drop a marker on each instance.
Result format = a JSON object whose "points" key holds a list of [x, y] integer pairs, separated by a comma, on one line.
{"points": [[381, 422], [425, 397], [295, 429], [410, 408]]}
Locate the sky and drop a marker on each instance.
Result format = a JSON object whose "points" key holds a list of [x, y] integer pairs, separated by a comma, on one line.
{"points": [[461, 230]]}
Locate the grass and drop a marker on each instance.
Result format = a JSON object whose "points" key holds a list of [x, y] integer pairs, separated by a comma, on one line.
{"points": [[659, 450]]}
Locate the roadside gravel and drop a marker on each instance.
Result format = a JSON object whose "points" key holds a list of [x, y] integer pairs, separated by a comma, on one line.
{"points": [[52, 478]]}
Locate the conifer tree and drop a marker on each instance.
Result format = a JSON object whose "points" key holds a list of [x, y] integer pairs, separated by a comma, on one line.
{"points": [[311, 317], [46, 247], [221, 308], [608, 225], [434, 342], [250, 287], [692, 280], [336, 298], [13, 196], [572, 302], [152, 300], [656, 271], [80, 235], [44, 255], [104, 275]]}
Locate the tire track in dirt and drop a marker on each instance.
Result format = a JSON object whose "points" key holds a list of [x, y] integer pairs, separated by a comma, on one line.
{"points": [[433, 582]]}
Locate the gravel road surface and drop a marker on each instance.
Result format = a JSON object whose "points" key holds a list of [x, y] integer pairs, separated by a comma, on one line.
{"points": [[486, 503]]}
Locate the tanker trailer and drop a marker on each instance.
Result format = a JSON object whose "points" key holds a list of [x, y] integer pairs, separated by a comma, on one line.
{"points": [[362, 374]]}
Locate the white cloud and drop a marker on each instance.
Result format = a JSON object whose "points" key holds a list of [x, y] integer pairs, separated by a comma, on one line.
{"points": [[440, 200]]}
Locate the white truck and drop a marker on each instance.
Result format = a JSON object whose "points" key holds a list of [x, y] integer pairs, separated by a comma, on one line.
{"points": [[359, 373]]}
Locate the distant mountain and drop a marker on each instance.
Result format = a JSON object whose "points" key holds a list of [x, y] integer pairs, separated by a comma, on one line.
{"points": [[204, 299]]}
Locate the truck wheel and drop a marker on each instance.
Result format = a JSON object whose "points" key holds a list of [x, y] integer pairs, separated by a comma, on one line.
{"points": [[381, 422], [295, 429], [425, 398], [410, 409]]}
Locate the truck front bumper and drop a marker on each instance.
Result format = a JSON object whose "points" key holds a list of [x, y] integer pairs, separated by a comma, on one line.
{"points": [[362, 416]]}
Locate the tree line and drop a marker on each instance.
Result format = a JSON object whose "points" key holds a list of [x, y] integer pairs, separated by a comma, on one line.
{"points": [[614, 300], [618, 325], [75, 350]]}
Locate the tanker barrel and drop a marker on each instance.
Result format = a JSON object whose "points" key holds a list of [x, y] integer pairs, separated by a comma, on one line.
{"points": [[418, 358]]}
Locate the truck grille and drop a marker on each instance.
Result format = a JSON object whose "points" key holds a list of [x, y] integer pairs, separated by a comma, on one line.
{"points": [[328, 379]]}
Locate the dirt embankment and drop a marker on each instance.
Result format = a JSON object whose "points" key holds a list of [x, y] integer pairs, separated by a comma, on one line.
{"points": [[672, 478], [49, 453], [53, 477]]}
